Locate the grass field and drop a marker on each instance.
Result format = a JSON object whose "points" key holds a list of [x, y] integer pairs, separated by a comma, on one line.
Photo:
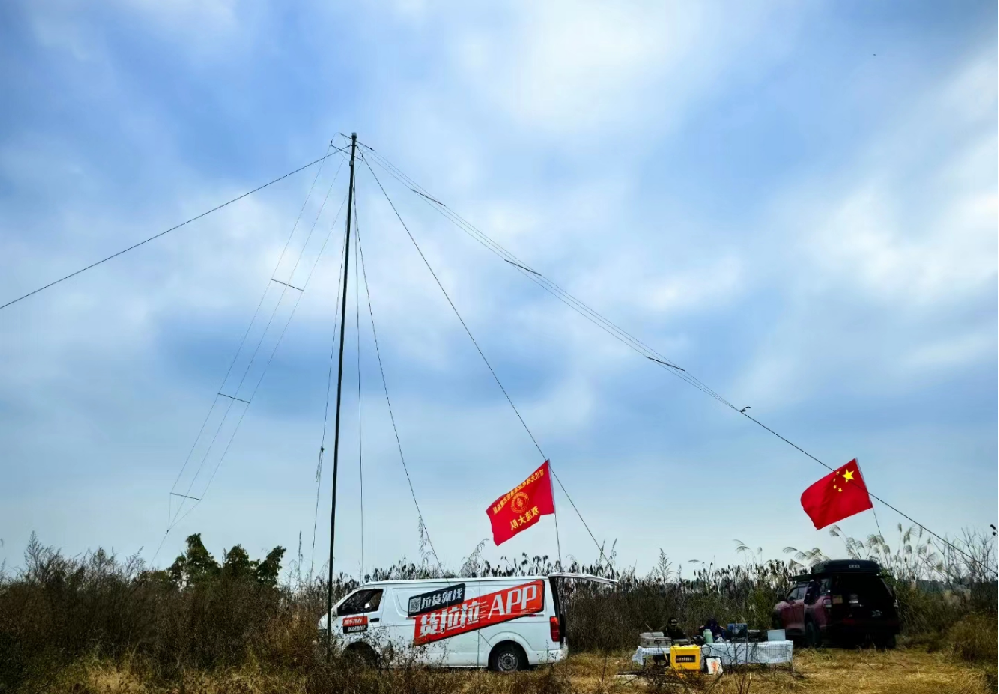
{"points": [[96, 624], [904, 671], [826, 671]]}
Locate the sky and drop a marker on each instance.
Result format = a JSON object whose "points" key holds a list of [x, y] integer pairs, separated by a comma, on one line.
{"points": [[795, 202]]}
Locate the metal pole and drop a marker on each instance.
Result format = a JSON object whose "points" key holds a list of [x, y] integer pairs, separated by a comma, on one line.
{"points": [[339, 390]]}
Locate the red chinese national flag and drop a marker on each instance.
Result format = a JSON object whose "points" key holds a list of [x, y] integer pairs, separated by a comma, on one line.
{"points": [[836, 496], [522, 506]]}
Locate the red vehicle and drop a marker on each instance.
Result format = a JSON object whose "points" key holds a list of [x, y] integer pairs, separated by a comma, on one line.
{"points": [[843, 600]]}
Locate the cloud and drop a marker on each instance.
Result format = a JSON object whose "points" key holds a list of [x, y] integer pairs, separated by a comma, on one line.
{"points": [[649, 158], [949, 353], [572, 69], [890, 252], [930, 237]]}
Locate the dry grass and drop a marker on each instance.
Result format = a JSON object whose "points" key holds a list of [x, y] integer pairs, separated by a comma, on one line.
{"points": [[825, 671], [99, 625], [891, 672], [815, 672]]}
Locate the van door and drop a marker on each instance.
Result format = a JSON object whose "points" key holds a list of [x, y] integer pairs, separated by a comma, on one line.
{"points": [[424, 615], [359, 616], [515, 610]]}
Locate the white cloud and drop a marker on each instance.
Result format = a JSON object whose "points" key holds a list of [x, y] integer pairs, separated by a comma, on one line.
{"points": [[700, 288], [867, 248], [569, 68], [879, 254], [950, 353], [532, 121], [919, 224]]}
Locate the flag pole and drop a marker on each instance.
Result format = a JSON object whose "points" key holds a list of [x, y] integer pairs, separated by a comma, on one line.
{"points": [[558, 542], [873, 510]]}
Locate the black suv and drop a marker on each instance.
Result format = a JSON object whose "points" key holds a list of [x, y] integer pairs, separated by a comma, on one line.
{"points": [[843, 600]]}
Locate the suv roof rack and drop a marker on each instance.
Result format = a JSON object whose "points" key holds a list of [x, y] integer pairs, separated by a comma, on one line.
{"points": [[839, 566]]}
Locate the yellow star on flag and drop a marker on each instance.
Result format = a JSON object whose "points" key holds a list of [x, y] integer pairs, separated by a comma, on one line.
{"points": [[848, 475]]}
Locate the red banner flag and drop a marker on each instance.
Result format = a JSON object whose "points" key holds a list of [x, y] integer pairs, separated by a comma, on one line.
{"points": [[522, 506], [839, 494]]}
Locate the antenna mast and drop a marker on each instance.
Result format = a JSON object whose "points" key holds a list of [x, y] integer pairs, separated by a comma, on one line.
{"points": [[339, 391]]}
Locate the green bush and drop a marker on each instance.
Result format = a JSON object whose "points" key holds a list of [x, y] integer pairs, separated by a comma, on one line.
{"points": [[974, 638], [60, 609], [200, 614]]}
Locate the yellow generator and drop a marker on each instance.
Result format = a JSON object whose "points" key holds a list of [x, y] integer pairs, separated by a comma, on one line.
{"points": [[685, 658]]}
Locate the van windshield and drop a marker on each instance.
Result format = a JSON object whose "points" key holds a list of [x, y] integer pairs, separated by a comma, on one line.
{"points": [[361, 602]]}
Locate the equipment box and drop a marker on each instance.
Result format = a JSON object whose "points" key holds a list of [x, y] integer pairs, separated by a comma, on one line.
{"points": [[654, 639], [685, 658]]}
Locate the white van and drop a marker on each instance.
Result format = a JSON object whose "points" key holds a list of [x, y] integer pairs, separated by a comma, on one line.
{"points": [[505, 624]]}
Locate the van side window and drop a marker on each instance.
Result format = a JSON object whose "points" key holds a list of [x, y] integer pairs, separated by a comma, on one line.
{"points": [[361, 602]]}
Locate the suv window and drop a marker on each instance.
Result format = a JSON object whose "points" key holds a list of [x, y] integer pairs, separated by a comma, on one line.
{"points": [[361, 602], [868, 588], [811, 592]]}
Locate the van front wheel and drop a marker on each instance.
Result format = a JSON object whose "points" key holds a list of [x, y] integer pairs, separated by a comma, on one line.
{"points": [[507, 657], [362, 654]]}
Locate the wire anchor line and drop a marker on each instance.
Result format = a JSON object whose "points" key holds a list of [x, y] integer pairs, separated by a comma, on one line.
{"points": [[290, 286], [456, 313], [164, 233], [253, 318], [263, 373], [613, 329], [525, 269], [482, 354], [263, 335], [388, 402], [665, 363], [536, 277], [177, 518], [360, 419], [326, 413], [539, 279], [233, 397]]}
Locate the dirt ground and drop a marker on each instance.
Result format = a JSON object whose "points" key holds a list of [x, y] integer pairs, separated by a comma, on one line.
{"points": [[827, 671]]}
